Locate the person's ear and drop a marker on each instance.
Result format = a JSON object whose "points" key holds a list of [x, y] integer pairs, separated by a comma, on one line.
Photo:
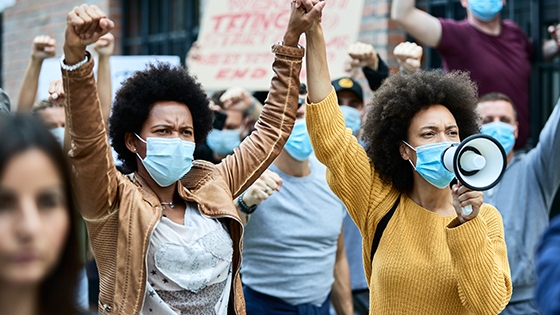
{"points": [[516, 131], [465, 3], [403, 151], [130, 142]]}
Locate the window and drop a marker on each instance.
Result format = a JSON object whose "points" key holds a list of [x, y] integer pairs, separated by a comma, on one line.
{"points": [[160, 27]]}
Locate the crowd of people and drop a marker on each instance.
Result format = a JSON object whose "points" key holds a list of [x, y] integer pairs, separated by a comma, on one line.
{"points": [[312, 200]]}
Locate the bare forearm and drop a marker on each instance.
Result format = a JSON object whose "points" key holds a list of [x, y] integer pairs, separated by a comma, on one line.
{"points": [[550, 50], [28, 90], [104, 87], [318, 77], [341, 289], [401, 8]]}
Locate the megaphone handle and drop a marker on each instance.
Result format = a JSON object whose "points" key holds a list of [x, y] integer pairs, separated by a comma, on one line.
{"points": [[467, 210]]}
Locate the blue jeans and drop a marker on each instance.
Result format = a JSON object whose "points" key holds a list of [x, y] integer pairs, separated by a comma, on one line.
{"points": [[262, 304]]}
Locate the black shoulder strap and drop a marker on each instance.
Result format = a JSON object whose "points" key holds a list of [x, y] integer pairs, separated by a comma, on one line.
{"points": [[381, 227]]}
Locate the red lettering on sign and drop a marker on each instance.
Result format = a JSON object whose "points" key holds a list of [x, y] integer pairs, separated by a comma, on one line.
{"points": [[258, 73]]}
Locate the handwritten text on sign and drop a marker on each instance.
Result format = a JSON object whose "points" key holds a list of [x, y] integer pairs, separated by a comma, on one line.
{"points": [[236, 36]]}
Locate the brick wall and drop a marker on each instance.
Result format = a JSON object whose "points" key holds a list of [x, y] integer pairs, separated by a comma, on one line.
{"points": [[25, 20]]}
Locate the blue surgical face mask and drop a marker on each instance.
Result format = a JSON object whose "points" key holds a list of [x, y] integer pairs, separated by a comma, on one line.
{"points": [[298, 144], [167, 159], [429, 164], [224, 141], [485, 10], [352, 117], [58, 133], [502, 132]]}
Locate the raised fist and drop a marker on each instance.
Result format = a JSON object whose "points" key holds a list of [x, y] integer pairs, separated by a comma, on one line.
{"points": [[43, 47], [409, 56], [105, 46], [363, 55]]}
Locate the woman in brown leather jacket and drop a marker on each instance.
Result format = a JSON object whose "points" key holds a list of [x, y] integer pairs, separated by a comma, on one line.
{"points": [[167, 238]]}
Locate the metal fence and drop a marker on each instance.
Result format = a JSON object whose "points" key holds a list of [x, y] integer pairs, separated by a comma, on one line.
{"points": [[159, 27]]}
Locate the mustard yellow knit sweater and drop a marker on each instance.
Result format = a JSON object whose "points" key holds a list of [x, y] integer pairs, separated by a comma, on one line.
{"points": [[425, 263]]}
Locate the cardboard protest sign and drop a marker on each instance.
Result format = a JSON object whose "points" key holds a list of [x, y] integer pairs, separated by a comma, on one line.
{"points": [[236, 36]]}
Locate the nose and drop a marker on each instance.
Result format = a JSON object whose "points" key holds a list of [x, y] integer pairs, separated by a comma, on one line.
{"points": [[29, 221]]}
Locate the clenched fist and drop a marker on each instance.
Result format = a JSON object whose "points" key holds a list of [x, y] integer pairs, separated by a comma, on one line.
{"points": [[409, 56]]}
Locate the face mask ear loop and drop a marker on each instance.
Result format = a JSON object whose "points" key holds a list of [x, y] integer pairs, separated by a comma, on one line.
{"points": [[412, 149], [138, 155]]}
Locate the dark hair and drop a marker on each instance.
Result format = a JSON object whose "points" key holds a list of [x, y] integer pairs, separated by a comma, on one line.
{"points": [[496, 96], [43, 104], [397, 101], [135, 99], [302, 88], [23, 132]]}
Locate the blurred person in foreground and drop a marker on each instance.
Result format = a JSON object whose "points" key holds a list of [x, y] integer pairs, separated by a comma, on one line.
{"points": [[431, 258], [167, 238], [39, 259]]}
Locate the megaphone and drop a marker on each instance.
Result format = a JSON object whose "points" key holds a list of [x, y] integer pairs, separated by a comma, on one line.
{"points": [[479, 162]]}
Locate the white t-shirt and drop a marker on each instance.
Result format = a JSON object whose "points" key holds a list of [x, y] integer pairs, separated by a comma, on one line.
{"points": [[189, 267]]}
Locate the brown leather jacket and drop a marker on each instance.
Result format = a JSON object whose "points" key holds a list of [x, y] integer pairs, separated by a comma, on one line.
{"points": [[121, 211]]}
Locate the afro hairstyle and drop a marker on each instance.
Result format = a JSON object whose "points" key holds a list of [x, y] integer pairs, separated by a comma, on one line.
{"points": [[397, 101], [138, 94]]}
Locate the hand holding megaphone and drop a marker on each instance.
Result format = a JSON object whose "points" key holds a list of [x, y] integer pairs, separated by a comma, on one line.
{"points": [[467, 202], [479, 162]]}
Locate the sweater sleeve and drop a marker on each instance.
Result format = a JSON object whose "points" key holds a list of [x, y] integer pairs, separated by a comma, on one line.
{"points": [[479, 256], [350, 174]]}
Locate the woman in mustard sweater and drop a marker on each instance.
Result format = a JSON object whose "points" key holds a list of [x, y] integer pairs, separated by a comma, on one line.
{"points": [[431, 259]]}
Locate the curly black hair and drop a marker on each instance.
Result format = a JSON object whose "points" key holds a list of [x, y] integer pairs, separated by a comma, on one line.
{"points": [[398, 100], [137, 95]]}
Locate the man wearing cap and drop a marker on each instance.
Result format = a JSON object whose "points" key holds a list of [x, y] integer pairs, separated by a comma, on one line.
{"points": [[351, 100]]}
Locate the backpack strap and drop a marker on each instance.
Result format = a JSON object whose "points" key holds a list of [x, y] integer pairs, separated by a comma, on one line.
{"points": [[381, 227]]}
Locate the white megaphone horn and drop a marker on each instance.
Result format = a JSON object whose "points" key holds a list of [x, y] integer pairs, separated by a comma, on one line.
{"points": [[479, 162]]}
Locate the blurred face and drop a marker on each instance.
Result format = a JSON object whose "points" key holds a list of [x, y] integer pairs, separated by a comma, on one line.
{"points": [[432, 125], [349, 98], [498, 111], [34, 219], [53, 117], [166, 120], [234, 119]]}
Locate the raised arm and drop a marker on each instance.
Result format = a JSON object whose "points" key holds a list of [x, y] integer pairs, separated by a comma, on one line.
{"points": [[333, 143], [544, 158], [43, 48], [105, 47], [95, 174], [421, 25], [275, 123]]}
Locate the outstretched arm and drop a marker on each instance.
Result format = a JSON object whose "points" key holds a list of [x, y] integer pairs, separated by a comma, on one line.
{"points": [[90, 154], [421, 25], [105, 47], [43, 48], [275, 123]]}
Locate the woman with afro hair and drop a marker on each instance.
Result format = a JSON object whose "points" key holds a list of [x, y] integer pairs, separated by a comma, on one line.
{"points": [[167, 238], [430, 258]]}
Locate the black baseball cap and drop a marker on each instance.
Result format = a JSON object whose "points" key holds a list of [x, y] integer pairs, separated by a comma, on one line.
{"points": [[348, 84]]}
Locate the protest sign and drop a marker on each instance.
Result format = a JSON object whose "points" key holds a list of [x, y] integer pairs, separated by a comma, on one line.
{"points": [[236, 36]]}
